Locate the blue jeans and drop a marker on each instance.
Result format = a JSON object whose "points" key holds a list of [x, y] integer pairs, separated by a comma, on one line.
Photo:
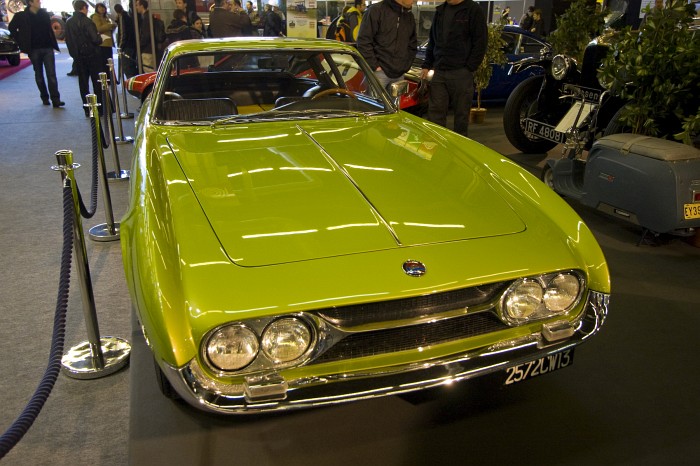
{"points": [[44, 59], [451, 88]]}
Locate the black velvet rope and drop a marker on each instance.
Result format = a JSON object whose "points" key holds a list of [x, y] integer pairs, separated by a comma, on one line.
{"points": [[25, 420], [89, 213]]}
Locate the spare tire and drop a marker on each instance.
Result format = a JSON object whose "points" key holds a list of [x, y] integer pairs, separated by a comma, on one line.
{"points": [[59, 27]]}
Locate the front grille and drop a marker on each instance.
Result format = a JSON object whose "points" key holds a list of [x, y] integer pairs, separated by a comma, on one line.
{"points": [[363, 344], [346, 317]]}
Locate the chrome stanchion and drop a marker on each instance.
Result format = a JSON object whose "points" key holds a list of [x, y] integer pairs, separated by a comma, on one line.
{"points": [[121, 139], [105, 231], [118, 174], [97, 357], [125, 115]]}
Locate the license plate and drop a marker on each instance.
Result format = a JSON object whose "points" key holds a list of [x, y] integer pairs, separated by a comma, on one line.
{"points": [[539, 366], [691, 211], [544, 131]]}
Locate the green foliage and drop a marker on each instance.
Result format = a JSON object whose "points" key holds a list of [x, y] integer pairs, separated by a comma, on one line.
{"points": [[576, 27], [494, 56], [657, 70]]}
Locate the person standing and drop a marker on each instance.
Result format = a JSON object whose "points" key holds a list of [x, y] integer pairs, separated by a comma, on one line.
{"points": [[537, 23], [227, 23], [105, 27], [198, 30], [189, 9], [456, 47], [83, 43], [387, 39], [272, 23], [150, 58], [126, 41], [526, 20], [351, 20], [32, 30]]}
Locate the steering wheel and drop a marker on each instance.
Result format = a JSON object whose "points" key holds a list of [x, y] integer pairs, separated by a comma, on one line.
{"points": [[334, 90]]}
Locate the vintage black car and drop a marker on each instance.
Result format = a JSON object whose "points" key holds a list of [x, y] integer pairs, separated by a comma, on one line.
{"points": [[9, 50], [567, 105]]}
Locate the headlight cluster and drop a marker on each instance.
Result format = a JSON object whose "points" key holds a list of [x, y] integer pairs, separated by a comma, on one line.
{"points": [[234, 347], [560, 67], [541, 297]]}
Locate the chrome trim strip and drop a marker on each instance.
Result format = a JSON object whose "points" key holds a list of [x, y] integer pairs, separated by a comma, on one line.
{"points": [[343, 387]]}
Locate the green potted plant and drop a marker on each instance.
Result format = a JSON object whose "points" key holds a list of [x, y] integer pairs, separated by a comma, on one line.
{"points": [[580, 23], [495, 56], [657, 70]]}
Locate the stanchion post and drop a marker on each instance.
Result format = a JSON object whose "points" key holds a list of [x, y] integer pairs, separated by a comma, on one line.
{"points": [[118, 174], [125, 115], [121, 139], [96, 357], [105, 231]]}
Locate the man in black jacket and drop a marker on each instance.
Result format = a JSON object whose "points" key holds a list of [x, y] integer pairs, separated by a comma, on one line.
{"points": [[32, 30], [456, 48], [387, 39], [83, 43]]}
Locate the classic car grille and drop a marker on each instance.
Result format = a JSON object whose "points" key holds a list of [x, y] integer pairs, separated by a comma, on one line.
{"points": [[373, 343], [411, 308]]}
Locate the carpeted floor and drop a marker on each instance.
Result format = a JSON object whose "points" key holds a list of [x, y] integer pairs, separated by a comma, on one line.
{"points": [[6, 70]]}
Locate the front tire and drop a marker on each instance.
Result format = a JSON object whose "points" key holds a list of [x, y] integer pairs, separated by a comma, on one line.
{"points": [[521, 104], [547, 176], [13, 60], [164, 384], [615, 126]]}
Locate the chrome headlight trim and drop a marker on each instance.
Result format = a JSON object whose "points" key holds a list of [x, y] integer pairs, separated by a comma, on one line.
{"points": [[223, 341], [290, 333], [560, 67], [541, 297]]}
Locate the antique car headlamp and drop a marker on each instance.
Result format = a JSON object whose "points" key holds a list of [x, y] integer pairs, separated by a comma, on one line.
{"points": [[561, 292], [232, 347], [560, 67], [535, 298], [286, 339]]}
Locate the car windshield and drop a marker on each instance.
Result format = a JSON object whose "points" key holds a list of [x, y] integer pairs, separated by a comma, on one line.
{"points": [[260, 86]]}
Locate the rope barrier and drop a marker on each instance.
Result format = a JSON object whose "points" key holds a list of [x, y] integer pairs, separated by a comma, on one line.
{"points": [[25, 420], [89, 213]]}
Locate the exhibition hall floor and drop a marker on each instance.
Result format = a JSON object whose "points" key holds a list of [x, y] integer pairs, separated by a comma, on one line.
{"points": [[631, 397]]}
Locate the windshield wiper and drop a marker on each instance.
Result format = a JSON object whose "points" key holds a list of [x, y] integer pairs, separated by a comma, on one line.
{"points": [[272, 115]]}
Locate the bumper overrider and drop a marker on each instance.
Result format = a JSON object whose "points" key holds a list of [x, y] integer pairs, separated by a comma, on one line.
{"points": [[271, 392]]}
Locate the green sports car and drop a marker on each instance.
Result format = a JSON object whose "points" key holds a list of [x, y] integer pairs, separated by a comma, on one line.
{"points": [[294, 240]]}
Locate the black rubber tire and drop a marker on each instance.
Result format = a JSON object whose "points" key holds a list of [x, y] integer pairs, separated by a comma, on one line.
{"points": [[517, 108], [614, 125], [13, 60], [164, 384], [59, 28]]}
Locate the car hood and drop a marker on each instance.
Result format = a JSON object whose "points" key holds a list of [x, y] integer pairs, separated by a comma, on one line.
{"points": [[293, 191]]}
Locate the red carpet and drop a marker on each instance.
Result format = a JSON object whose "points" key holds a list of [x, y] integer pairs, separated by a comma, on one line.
{"points": [[7, 70]]}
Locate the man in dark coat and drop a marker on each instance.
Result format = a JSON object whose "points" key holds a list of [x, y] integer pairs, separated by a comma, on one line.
{"points": [[126, 40], [150, 59], [227, 23], [387, 39], [32, 30], [456, 48], [83, 43]]}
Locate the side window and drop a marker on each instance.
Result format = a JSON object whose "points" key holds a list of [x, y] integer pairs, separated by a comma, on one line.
{"points": [[530, 46], [511, 42]]}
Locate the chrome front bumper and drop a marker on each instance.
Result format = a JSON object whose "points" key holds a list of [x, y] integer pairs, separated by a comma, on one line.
{"points": [[205, 394]]}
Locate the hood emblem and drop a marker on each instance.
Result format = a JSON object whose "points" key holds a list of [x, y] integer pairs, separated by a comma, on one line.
{"points": [[414, 268]]}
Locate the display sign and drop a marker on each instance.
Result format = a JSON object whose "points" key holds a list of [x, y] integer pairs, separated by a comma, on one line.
{"points": [[301, 18]]}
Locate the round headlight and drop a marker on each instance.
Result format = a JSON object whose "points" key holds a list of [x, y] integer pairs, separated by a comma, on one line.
{"points": [[560, 67], [286, 339], [232, 347], [523, 300], [562, 292]]}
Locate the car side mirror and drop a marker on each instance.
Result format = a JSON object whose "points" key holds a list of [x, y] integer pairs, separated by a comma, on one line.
{"points": [[396, 90]]}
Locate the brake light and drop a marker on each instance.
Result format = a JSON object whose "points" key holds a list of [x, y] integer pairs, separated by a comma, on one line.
{"points": [[696, 196]]}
